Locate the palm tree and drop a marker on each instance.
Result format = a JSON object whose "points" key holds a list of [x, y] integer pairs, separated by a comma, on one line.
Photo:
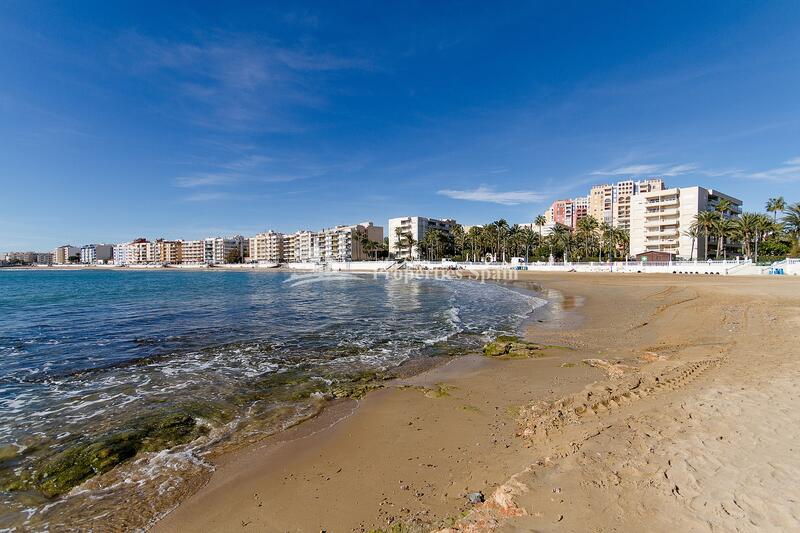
{"points": [[764, 226], [746, 227], [692, 233], [459, 240], [622, 240], [410, 242], [528, 237], [791, 221], [587, 227], [722, 228], [540, 221], [775, 206], [704, 221], [474, 235], [723, 206], [399, 238], [501, 226], [562, 235]]}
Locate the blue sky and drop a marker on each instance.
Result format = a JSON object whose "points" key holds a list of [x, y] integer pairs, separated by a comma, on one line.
{"points": [[120, 120]]}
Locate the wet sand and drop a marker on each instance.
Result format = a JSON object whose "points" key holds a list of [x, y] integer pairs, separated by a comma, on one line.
{"points": [[662, 402]]}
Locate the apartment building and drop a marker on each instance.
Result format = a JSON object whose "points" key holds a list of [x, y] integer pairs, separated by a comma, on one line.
{"points": [[96, 253], [29, 258], [660, 219], [417, 227], [169, 252], [297, 247], [142, 252], [266, 246], [345, 243], [580, 209], [611, 203], [567, 212], [624, 191], [62, 254], [601, 203], [193, 252]]}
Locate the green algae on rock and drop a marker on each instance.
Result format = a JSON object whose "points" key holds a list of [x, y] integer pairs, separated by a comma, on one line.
{"points": [[509, 347]]}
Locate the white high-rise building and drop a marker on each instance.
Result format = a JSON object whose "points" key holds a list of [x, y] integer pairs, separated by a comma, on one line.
{"points": [[417, 227], [660, 219], [216, 250], [96, 253]]}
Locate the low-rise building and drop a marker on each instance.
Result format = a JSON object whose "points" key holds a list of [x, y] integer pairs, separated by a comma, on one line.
{"points": [[416, 227], [661, 219]]}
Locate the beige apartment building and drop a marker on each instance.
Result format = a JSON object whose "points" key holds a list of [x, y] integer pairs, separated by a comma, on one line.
{"points": [[601, 203], [266, 246], [169, 252], [142, 252], [62, 254], [660, 220], [611, 203]]}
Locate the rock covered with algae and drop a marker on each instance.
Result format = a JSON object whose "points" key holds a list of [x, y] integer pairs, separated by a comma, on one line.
{"points": [[509, 347]]}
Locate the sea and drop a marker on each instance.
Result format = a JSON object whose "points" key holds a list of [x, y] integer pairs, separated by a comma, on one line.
{"points": [[117, 386]]}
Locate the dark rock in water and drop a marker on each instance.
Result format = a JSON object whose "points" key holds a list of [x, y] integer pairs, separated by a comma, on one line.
{"points": [[508, 347], [475, 498], [69, 468]]}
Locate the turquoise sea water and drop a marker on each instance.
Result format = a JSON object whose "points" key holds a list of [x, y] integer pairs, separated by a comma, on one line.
{"points": [[160, 367]]}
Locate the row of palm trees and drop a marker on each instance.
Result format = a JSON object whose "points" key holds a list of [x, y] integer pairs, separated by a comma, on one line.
{"points": [[499, 240], [594, 240], [749, 229]]}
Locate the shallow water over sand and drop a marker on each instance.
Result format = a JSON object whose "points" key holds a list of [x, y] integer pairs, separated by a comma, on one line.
{"points": [[117, 383]]}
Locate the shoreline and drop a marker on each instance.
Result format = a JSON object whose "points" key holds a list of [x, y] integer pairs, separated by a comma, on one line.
{"points": [[560, 311], [214, 455], [409, 455]]}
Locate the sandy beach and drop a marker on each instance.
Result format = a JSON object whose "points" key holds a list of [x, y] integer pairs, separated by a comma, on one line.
{"points": [[655, 402]]}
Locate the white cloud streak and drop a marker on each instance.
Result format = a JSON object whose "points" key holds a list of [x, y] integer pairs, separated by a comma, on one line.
{"points": [[788, 171], [485, 194], [648, 170], [236, 82]]}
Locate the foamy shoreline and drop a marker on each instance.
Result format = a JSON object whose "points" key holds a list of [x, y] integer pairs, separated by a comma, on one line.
{"points": [[408, 457]]}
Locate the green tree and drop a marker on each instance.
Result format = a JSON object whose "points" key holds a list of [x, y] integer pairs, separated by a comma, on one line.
{"points": [[746, 227], [234, 256], [586, 233], [705, 221], [791, 222], [722, 228], [693, 232], [775, 206]]}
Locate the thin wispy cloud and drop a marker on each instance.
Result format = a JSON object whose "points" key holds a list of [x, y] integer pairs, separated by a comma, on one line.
{"points": [[206, 196], [485, 194], [788, 171], [236, 81], [648, 169]]}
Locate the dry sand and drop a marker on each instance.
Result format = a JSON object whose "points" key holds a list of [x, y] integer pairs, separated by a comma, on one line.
{"points": [[684, 416]]}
